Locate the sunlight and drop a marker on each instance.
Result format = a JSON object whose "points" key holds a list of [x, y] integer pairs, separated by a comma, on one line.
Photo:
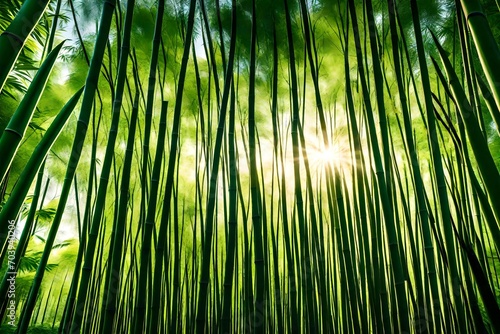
{"points": [[337, 154], [286, 187]]}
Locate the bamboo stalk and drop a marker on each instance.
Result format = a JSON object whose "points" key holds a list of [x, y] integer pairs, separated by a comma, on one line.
{"points": [[13, 38]]}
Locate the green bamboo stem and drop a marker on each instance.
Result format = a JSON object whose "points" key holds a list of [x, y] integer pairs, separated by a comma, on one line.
{"points": [[310, 47], [486, 45], [88, 98], [65, 323], [149, 108], [469, 73], [110, 306], [379, 88], [365, 202], [487, 210], [19, 192], [18, 124], [401, 319], [53, 27], [13, 38], [211, 51], [484, 159], [210, 209], [417, 179], [490, 102], [232, 221], [101, 194], [484, 288], [167, 192], [145, 257], [283, 207], [114, 259], [259, 312], [298, 196], [442, 195], [11, 208]]}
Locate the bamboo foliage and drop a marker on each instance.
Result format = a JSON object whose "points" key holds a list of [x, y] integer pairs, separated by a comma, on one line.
{"points": [[13, 38], [318, 177], [16, 129], [12, 206]]}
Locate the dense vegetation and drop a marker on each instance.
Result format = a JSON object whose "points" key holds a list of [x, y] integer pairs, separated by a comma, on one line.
{"points": [[250, 166]]}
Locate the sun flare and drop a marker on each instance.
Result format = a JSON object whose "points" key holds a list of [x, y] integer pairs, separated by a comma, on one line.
{"points": [[336, 154]]}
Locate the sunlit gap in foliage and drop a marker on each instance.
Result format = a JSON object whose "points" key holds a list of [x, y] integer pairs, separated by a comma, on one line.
{"points": [[337, 154], [241, 166]]}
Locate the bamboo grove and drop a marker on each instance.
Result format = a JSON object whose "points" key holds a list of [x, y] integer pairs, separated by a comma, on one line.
{"points": [[249, 166]]}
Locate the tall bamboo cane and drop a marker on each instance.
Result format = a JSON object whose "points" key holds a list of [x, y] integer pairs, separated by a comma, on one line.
{"points": [[486, 45], [12, 40], [169, 180], [210, 214]]}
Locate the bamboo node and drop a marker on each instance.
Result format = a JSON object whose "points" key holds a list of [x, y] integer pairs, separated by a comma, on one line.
{"points": [[475, 13], [18, 38], [111, 3]]}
